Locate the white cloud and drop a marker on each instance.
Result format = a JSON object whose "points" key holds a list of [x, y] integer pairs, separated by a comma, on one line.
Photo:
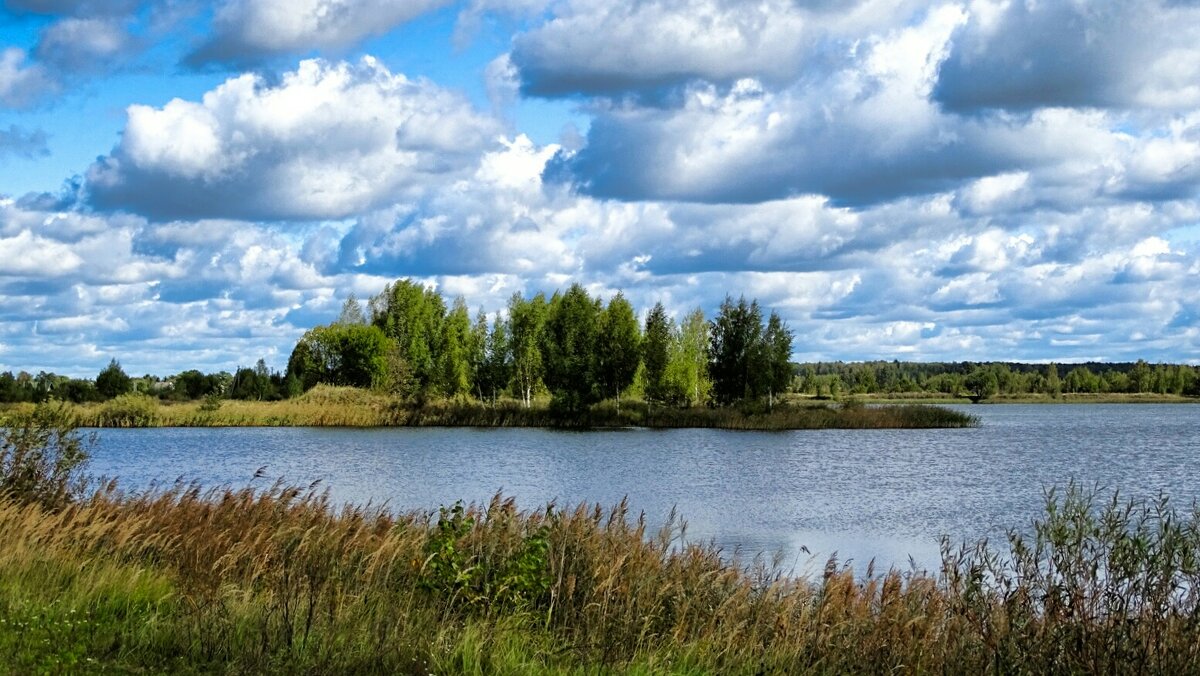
{"points": [[28, 255], [250, 30], [1027, 55], [650, 47], [866, 133], [330, 140]]}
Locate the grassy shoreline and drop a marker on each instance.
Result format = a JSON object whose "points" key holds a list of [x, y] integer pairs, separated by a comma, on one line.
{"points": [[283, 581], [347, 407], [280, 581]]}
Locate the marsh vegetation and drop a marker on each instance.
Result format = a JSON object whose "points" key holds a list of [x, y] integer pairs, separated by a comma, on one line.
{"points": [[280, 580]]}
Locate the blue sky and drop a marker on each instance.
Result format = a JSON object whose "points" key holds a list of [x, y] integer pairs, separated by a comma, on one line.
{"points": [[190, 184]]}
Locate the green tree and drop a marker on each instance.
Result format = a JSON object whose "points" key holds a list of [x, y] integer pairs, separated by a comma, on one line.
{"points": [[1081, 379], [112, 381], [656, 352], [412, 315], [777, 358], [1053, 383], [527, 319], [194, 385], [617, 353], [1140, 377], [687, 379], [736, 333], [568, 348], [254, 383], [477, 352], [982, 383], [454, 353], [351, 355], [496, 370]]}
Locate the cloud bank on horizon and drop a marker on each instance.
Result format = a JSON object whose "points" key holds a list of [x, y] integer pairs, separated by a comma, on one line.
{"points": [[983, 179]]}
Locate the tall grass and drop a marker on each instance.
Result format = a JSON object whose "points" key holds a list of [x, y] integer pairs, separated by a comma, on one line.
{"points": [[326, 406], [281, 581]]}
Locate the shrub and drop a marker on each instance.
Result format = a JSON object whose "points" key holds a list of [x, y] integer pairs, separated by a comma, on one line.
{"points": [[42, 457], [128, 410], [211, 403]]}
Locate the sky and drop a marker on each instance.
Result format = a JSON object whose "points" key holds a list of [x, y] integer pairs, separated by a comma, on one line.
{"points": [[191, 184]]}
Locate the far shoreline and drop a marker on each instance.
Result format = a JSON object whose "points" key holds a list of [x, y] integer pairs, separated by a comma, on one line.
{"points": [[1073, 398], [348, 407]]}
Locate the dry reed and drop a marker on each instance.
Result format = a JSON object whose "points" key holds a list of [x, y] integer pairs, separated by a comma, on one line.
{"points": [[280, 580]]}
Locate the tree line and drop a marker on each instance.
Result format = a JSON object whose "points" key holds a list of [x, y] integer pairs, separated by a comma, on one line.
{"points": [[576, 349], [989, 379], [571, 346], [249, 383]]}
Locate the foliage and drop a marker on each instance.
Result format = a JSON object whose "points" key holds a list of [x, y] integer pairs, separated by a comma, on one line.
{"points": [[527, 321], [128, 410], [454, 352], [257, 384], [569, 347], [352, 312], [775, 362], [687, 378], [344, 354], [193, 384], [211, 403], [412, 315], [112, 381], [618, 350], [655, 350], [42, 457], [1010, 378], [735, 336], [497, 368], [747, 359]]}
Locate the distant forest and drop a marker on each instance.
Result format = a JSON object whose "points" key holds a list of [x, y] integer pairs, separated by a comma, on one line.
{"points": [[577, 350], [989, 379]]}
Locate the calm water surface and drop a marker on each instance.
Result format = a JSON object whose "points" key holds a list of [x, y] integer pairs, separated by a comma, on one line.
{"points": [[882, 494]]}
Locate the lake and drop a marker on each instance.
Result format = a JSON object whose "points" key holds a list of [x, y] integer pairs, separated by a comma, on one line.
{"points": [[882, 494]]}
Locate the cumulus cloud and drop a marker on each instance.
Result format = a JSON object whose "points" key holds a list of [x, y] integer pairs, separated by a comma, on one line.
{"points": [[871, 132], [1028, 55], [329, 141], [610, 48], [866, 133], [248, 31], [650, 47]]}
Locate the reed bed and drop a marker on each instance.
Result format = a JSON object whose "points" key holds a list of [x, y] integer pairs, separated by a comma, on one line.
{"points": [[280, 580], [348, 407]]}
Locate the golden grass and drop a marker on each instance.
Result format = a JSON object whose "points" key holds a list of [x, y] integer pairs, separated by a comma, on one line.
{"points": [[282, 581], [326, 406]]}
